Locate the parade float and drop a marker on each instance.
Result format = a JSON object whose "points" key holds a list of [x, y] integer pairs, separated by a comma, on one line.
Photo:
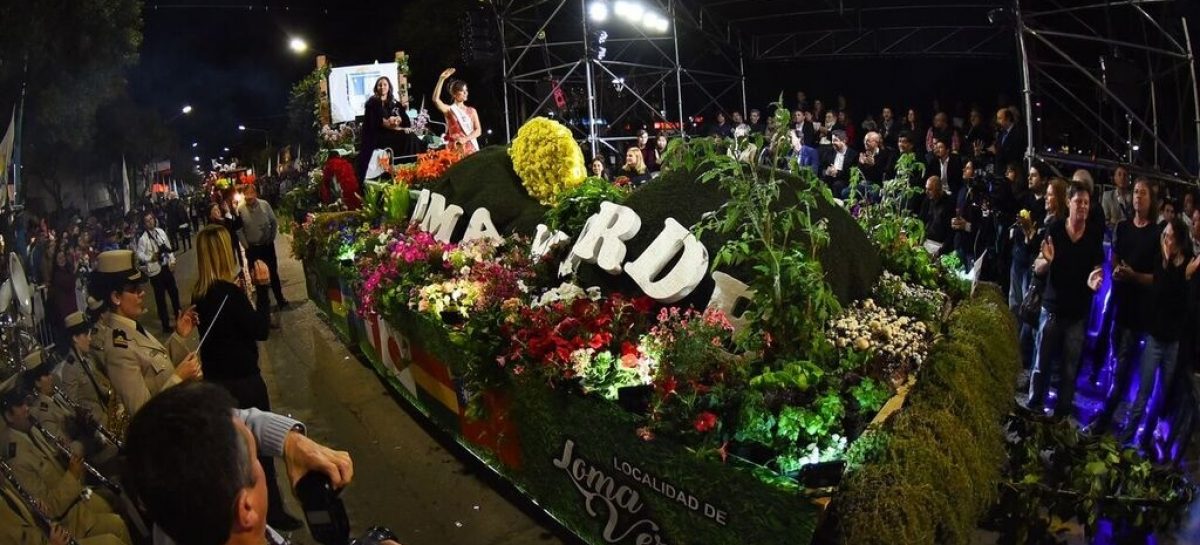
{"points": [[724, 355]]}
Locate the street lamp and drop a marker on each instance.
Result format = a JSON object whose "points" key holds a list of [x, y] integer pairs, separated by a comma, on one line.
{"points": [[185, 110], [298, 45]]}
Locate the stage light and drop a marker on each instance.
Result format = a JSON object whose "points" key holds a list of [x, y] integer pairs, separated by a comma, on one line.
{"points": [[187, 109], [226, 149], [1137, 147], [195, 144], [196, 158], [629, 10], [241, 127], [654, 22], [598, 11], [298, 45]]}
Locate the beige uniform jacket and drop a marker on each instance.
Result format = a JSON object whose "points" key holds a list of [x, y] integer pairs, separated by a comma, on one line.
{"points": [[19, 526], [86, 385], [138, 365], [37, 467], [55, 416]]}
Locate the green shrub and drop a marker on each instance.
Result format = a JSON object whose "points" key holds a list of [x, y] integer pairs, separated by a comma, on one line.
{"points": [[936, 474]]}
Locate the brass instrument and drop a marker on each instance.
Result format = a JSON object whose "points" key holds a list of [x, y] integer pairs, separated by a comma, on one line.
{"points": [[66, 451], [118, 419], [99, 428], [31, 503]]}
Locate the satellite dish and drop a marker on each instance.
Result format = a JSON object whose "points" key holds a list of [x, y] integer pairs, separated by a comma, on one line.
{"points": [[20, 285]]}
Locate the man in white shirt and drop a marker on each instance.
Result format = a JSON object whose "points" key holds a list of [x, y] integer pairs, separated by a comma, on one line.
{"points": [[838, 161], [157, 260], [1118, 202]]}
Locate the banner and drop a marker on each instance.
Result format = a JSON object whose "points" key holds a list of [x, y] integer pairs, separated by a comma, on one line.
{"points": [[6, 153], [124, 184]]}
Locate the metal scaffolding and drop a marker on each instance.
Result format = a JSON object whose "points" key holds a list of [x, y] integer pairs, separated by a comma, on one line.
{"points": [[553, 66], [1123, 73]]}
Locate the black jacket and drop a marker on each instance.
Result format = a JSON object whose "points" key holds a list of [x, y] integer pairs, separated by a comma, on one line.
{"points": [[231, 349], [954, 173]]}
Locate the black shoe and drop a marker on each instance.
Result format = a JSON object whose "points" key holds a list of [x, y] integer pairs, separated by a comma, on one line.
{"points": [[284, 522]]}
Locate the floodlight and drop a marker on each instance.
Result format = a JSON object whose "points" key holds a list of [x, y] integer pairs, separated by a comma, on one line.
{"points": [[298, 45], [629, 10], [598, 11]]}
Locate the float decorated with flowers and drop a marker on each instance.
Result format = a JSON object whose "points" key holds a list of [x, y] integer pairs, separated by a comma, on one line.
{"points": [[724, 355]]}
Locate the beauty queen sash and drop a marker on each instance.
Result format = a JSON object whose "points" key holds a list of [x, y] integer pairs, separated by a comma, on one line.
{"points": [[463, 117]]}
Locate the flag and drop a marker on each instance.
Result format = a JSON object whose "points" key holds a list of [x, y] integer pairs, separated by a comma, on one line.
{"points": [[6, 153], [124, 184]]}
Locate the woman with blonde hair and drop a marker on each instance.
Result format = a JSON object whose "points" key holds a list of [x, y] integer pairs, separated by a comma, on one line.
{"points": [[635, 166], [229, 355]]}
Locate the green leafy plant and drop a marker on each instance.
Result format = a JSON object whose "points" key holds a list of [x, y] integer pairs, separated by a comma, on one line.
{"points": [[1056, 471], [870, 395], [577, 204], [779, 243]]}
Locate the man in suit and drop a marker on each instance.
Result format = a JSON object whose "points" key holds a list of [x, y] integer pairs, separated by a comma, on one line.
{"points": [[837, 161], [945, 166], [888, 128], [1009, 146], [935, 210], [875, 161]]}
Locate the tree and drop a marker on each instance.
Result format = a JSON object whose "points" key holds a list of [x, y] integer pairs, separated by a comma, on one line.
{"points": [[71, 56]]}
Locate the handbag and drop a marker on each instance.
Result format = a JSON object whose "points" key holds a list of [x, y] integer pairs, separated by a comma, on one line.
{"points": [[1031, 303]]}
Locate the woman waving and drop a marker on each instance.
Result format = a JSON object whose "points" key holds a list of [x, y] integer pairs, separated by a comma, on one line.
{"points": [[462, 123]]}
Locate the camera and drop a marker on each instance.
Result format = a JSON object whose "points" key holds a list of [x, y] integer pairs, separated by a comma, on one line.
{"points": [[326, 514]]}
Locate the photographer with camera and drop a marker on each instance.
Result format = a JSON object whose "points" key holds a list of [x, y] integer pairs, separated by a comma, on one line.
{"points": [[191, 456], [157, 261]]}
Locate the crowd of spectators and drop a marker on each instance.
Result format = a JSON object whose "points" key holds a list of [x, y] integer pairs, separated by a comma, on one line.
{"points": [[1046, 239]]}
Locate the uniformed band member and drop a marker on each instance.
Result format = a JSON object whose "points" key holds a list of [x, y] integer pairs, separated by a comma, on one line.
{"points": [[82, 379], [138, 365], [54, 415], [37, 466], [20, 526]]}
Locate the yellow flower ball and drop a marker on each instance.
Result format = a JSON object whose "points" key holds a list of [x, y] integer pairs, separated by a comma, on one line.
{"points": [[546, 157]]}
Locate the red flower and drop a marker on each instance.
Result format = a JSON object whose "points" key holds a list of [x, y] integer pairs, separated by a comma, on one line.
{"points": [[643, 304], [705, 422], [668, 386]]}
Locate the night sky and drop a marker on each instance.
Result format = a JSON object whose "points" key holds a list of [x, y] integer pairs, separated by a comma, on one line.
{"points": [[230, 60]]}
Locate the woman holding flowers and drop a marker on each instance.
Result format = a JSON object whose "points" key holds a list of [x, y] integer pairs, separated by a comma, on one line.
{"points": [[462, 122]]}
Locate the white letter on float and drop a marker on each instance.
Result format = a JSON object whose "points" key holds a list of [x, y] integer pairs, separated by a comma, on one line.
{"points": [[480, 226], [725, 296], [603, 241], [544, 240], [684, 277], [435, 217]]}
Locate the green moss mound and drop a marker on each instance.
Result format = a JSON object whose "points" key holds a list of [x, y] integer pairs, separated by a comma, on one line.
{"points": [[486, 179], [938, 473]]}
